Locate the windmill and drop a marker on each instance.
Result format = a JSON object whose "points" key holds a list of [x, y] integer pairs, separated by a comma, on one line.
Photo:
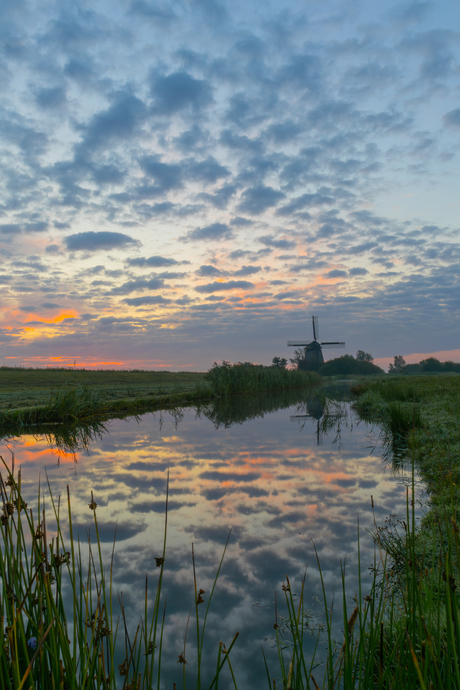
{"points": [[314, 349]]}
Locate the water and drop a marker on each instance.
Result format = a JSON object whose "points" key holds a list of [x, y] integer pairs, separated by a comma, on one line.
{"points": [[282, 487]]}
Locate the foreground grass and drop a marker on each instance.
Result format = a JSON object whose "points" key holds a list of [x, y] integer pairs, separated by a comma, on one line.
{"points": [[58, 609]]}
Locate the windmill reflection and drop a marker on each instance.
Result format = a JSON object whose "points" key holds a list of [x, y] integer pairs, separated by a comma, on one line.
{"points": [[313, 410], [326, 416]]}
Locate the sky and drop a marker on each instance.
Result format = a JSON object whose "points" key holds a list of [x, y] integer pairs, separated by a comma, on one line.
{"points": [[188, 182]]}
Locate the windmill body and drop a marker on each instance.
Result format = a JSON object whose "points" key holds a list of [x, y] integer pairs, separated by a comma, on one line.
{"points": [[314, 349]]}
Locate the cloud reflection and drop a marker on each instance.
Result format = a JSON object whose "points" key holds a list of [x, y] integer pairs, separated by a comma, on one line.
{"points": [[265, 478]]}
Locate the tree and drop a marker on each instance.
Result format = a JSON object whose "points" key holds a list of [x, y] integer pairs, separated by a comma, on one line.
{"points": [[299, 355], [398, 365], [431, 364], [362, 356], [279, 362], [348, 365]]}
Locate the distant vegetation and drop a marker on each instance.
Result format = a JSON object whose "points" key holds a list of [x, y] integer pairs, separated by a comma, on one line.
{"points": [[431, 365], [232, 379], [346, 365]]}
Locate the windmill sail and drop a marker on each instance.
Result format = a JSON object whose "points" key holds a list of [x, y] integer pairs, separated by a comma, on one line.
{"points": [[314, 320]]}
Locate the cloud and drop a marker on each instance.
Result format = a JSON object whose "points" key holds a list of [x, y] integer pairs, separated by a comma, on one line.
{"points": [[147, 299], [240, 222], [96, 241], [283, 132], [269, 241], [51, 97], [180, 91], [206, 270], [166, 175], [358, 271], [208, 170], [317, 199], [153, 261], [10, 228], [229, 285], [215, 231], [139, 284], [452, 119], [247, 270], [16, 228], [153, 11], [118, 122], [221, 197], [258, 199], [336, 273]]}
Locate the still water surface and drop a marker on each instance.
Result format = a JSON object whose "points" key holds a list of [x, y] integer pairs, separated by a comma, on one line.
{"points": [[274, 479]]}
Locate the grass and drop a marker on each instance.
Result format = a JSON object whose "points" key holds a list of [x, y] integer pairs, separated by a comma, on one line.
{"points": [[22, 388], [423, 412]]}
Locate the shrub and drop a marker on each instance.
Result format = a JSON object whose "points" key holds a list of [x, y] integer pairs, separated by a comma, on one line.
{"points": [[348, 365], [244, 377]]}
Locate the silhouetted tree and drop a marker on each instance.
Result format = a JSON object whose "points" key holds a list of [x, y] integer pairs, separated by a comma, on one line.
{"points": [[343, 366], [398, 365], [280, 362], [299, 355], [362, 356], [431, 364]]}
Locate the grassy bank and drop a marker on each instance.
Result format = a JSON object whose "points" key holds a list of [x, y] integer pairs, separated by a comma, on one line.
{"points": [[421, 415], [74, 404], [24, 388]]}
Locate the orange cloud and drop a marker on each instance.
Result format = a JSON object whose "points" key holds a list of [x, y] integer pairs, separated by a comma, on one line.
{"points": [[61, 317]]}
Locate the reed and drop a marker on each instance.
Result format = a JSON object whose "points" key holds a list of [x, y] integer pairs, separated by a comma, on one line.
{"points": [[54, 639], [404, 633], [234, 379]]}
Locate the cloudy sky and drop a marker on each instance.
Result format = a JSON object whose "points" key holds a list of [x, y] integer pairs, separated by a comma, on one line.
{"points": [[189, 181]]}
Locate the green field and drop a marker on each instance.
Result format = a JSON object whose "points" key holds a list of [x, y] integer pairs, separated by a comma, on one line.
{"points": [[21, 388]]}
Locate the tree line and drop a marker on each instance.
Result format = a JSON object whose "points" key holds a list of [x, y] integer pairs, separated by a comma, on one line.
{"points": [[363, 364]]}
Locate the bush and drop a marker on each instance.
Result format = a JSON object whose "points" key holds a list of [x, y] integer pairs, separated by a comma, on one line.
{"points": [[244, 377], [346, 365], [431, 364]]}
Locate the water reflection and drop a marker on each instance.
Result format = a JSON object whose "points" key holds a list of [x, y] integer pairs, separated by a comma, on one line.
{"points": [[241, 466]]}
